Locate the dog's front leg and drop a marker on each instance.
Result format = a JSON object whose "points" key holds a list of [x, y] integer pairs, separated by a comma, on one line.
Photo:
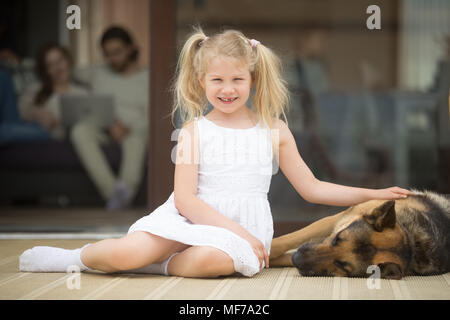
{"points": [[285, 260], [318, 229]]}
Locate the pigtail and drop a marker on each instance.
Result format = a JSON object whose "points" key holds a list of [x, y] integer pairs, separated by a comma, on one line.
{"points": [[187, 92], [271, 96]]}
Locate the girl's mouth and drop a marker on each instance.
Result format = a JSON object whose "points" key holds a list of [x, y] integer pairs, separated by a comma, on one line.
{"points": [[227, 100]]}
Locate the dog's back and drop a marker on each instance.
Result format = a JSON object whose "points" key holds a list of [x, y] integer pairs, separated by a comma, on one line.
{"points": [[428, 226]]}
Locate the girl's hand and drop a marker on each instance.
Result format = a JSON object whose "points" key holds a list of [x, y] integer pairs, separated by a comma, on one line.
{"points": [[260, 250], [392, 193]]}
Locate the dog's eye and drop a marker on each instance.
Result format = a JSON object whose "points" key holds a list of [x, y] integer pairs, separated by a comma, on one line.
{"points": [[342, 265]]}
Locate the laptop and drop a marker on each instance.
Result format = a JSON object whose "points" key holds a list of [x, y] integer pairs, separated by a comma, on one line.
{"points": [[95, 107]]}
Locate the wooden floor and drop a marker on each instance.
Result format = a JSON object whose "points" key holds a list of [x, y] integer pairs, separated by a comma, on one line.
{"points": [[71, 228], [270, 284]]}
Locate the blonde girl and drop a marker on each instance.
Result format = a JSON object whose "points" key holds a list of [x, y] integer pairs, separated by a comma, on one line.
{"points": [[217, 221]]}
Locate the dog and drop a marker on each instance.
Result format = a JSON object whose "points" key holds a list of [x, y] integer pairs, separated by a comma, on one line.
{"points": [[401, 237]]}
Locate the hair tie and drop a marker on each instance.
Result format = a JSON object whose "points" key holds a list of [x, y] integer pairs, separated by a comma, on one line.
{"points": [[254, 43], [201, 42]]}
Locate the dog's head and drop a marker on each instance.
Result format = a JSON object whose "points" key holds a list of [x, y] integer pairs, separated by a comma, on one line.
{"points": [[368, 236]]}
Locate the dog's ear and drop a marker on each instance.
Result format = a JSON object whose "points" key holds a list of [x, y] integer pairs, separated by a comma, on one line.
{"points": [[390, 270], [382, 216]]}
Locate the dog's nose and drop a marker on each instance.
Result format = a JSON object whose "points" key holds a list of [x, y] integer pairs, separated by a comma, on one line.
{"points": [[303, 266], [301, 260], [297, 258]]}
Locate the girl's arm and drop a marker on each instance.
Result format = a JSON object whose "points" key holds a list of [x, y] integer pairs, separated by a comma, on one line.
{"points": [[321, 192], [186, 181]]}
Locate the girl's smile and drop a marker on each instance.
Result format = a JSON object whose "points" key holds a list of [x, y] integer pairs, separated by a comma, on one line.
{"points": [[227, 100]]}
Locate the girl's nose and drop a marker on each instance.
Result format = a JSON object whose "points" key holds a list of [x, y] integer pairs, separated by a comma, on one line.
{"points": [[228, 89]]}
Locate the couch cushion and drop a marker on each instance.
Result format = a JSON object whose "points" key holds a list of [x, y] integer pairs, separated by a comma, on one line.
{"points": [[49, 155]]}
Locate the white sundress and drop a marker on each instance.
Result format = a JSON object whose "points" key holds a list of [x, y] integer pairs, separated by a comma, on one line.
{"points": [[234, 174]]}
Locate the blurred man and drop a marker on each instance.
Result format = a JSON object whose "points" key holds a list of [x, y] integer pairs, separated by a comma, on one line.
{"points": [[123, 78]]}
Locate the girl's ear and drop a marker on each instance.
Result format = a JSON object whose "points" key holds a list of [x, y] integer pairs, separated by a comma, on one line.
{"points": [[201, 81]]}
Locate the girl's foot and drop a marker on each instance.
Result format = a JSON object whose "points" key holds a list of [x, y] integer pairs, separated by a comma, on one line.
{"points": [[51, 259]]}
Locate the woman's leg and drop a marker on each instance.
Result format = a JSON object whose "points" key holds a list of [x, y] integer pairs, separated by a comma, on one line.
{"points": [[133, 251], [201, 262]]}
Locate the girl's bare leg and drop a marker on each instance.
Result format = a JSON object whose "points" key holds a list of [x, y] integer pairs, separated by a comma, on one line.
{"points": [[135, 250], [201, 262]]}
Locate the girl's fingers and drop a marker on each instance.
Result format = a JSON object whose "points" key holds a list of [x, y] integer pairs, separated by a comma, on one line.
{"points": [[262, 255], [401, 193], [404, 191], [260, 258], [266, 257]]}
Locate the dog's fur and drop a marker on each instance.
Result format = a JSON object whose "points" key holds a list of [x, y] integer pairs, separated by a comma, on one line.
{"points": [[402, 237]]}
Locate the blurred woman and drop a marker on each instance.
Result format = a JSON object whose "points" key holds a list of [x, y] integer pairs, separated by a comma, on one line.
{"points": [[40, 103]]}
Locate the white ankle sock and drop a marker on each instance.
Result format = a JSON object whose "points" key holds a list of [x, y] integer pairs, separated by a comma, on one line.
{"points": [[51, 259], [154, 268]]}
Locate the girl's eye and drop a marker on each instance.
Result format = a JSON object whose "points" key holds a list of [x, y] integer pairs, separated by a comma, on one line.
{"points": [[217, 79]]}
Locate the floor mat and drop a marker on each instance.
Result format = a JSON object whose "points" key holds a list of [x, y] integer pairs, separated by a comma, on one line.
{"points": [[270, 284]]}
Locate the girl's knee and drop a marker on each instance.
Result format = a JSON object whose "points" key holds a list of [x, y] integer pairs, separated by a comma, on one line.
{"points": [[214, 262], [122, 256]]}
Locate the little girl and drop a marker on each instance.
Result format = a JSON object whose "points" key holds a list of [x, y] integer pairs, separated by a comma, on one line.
{"points": [[218, 219]]}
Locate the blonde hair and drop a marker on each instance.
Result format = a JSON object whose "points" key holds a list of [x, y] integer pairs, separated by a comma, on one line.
{"points": [[271, 96]]}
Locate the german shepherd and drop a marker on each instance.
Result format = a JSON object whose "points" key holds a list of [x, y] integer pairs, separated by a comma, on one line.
{"points": [[402, 237]]}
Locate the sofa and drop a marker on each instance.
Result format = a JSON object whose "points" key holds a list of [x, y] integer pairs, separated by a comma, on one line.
{"points": [[50, 173]]}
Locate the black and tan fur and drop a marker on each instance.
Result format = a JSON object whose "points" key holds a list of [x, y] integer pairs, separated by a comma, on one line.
{"points": [[402, 237]]}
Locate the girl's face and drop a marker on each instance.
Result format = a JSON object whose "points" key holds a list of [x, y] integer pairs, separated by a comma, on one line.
{"points": [[227, 85]]}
